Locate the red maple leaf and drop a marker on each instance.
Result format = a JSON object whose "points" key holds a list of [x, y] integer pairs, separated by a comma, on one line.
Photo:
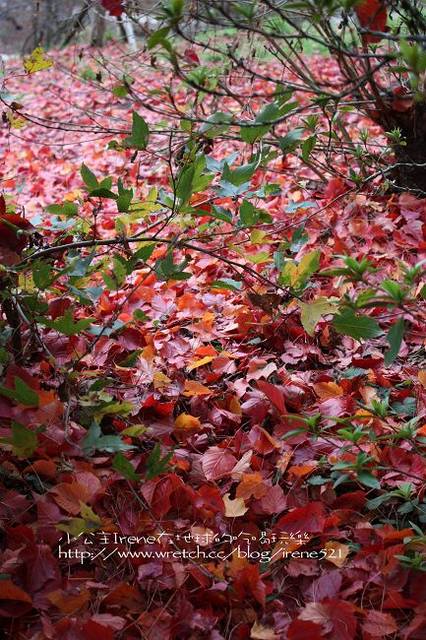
{"points": [[372, 15], [114, 7]]}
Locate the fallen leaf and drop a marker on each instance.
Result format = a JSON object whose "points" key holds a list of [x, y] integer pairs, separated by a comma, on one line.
{"points": [[234, 508], [194, 388], [260, 632]]}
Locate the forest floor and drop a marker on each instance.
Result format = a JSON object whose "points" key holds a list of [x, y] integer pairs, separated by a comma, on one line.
{"points": [[236, 421]]}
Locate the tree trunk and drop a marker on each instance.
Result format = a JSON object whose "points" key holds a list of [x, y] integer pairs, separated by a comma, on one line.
{"points": [[129, 32], [98, 28], [409, 173]]}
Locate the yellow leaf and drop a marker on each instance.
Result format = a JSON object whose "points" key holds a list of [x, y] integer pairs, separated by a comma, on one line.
{"points": [[160, 380], [72, 195], [311, 313], [37, 61], [200, 363], [134, 431], [296, 274], [194, 388], [259, 632], [89, 516], [186, 421], [15, 121], [258, 237], [337, 552], [234, 508], [259, 258]]}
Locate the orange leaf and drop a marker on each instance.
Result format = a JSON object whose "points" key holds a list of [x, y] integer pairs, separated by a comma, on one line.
{"points": [[186, 422], [69, 603], [194, 388], [422, 431], [326, 390], [206, 350], [283, 461], [251, 485], [44, 468], [301, 470], [160, 380], [422, 377], [69, 494], [9, 591]]}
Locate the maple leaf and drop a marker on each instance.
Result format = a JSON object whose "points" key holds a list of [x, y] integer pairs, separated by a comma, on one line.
{"points": [[37, 61], [217, 462], [372, 14]]}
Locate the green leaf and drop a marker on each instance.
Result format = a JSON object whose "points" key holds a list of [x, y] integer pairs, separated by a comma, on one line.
{"points": [[192, 179], [143, 253], [120, 90], [155, 465], [140, 316], [138, 139], [69, 209], [95, 440], [240, 175], [217, 212], [157, 37], [89, 178], [249, 215], [227, 283], [307, 147], [251, 134], [134, 431], [101, 192], [216, 125], [66, 325], [166, 269], [22, 393], [123, 466], [265, 120], [356, 326], [43, 275], [124, 197], [24, 441], [394, 337], [394, 289], [291, 141], [311, 313], [367, 478]]}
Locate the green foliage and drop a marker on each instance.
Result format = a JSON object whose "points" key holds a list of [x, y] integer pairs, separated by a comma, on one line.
{"points": [[95, 440], [394, 337], [66, 324], [21, 393], [139, 136], [356, 326], [23, 441], [156, 464], [123, 466]]}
